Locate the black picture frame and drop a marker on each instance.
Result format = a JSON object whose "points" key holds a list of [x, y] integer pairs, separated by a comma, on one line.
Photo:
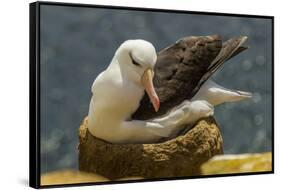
{"points": [[34, 91]]}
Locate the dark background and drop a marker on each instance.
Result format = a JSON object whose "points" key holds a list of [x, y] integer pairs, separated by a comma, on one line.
{"points": [[77, 43]]}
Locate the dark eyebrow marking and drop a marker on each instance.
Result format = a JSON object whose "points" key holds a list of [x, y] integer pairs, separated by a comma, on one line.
{"points": [[133, 61]]}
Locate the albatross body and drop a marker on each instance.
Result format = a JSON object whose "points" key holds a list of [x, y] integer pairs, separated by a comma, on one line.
{"points": [[125, 106]]}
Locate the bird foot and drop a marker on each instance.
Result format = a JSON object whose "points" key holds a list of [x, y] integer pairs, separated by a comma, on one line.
{"points": [[196, 110]]}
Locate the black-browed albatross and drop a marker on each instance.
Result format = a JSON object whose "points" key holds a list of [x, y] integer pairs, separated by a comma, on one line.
{"points": [[176, 83]]}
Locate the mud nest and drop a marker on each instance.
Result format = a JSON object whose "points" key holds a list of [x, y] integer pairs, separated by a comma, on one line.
{"points": [[181, 156]]}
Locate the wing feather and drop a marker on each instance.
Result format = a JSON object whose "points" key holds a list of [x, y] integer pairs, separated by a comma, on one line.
{"points": [[183, 67]]}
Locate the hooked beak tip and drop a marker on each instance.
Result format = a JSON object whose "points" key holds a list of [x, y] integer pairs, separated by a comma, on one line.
{"points": [[157, 104]]}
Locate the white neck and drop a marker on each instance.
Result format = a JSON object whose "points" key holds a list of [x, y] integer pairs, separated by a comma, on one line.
{"points": [[114, 99]]}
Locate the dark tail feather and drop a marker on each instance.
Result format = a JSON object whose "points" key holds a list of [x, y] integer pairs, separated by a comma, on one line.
{"points": [[229, 49]]}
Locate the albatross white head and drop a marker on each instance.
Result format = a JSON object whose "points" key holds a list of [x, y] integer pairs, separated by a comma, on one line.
{"points": [[136, 60]]}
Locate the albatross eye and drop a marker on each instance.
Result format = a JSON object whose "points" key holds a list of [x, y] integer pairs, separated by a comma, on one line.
{"points": [[136, 63], [133, 61]]}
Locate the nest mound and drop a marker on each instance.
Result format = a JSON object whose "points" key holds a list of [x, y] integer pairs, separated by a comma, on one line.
{"points": [[180, 156]]}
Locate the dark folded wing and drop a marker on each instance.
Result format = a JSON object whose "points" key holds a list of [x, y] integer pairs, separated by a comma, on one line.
{"points": [[229, 49], [182, 68]]}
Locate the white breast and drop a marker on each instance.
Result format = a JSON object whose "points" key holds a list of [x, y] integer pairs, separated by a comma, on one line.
{"points": [[114, 100]]}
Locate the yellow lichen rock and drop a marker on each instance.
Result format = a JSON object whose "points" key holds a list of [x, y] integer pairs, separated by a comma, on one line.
{"points": [[70, 177], [243, 163]]}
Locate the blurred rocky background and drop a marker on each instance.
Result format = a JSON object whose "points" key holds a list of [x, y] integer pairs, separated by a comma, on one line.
{"points": [[78, 43]]}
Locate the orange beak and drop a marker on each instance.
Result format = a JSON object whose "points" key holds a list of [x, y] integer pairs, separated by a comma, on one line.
{"points": [[149, 88]]}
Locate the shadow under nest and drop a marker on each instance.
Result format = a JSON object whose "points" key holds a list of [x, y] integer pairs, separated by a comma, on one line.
{"points": [[177, 157]]}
